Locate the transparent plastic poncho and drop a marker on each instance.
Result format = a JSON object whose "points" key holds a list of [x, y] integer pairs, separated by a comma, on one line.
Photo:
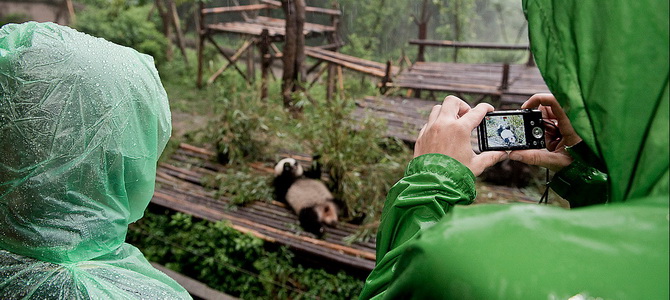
{"points": [[82, 124]]}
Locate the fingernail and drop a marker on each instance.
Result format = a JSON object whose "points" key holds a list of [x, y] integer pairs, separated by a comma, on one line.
{"points": [[514, 156]]}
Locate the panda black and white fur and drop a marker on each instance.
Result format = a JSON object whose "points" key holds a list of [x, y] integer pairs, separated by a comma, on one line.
{"points": [[308, 197], [507, 135]]}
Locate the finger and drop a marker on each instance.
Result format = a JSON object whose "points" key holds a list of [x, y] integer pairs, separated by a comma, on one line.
{"points": [[486, 159], [543, 158], [535, 100], [547, 114], [433, 114], [474, 117], [422, 130], [453, 107], [546, 100]]}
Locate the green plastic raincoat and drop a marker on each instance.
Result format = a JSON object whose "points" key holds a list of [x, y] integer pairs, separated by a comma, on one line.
{"points": [[607, 64], [82, 123]]}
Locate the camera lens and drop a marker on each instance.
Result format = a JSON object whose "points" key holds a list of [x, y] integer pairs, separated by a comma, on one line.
{"points": [[537, 132]]}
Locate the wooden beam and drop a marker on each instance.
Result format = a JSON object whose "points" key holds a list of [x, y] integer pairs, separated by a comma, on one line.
{"points": [[233, 59], [211, 40], [310, 9], [453, 44], [229, 9]]}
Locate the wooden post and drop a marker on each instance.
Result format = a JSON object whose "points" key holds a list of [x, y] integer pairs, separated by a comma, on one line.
{"points": [[294, 49], [300, 42], [200, 28], [70, 11], [335, 39], [251, 72], [422, 22], [289, 52], [531, 60], [330, 86], [266, 60], [167, 29], [504, 84], [177, 29]]}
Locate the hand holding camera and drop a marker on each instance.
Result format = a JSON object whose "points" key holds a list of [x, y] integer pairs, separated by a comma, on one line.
{"points": [[448, 132], [558, 134]]}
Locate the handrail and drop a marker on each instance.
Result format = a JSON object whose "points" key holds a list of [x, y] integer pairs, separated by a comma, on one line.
{"points": [[229, 9], [447, 43], [325, 11]]}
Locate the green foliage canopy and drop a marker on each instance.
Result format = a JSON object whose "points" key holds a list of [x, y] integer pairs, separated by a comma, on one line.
{"points": [[125, 25]]}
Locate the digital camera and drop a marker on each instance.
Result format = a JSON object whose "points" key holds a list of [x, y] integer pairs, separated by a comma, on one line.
{"points": [[511, 130]]}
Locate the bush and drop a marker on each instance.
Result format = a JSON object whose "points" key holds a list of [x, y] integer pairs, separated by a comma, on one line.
{"points": [[16, 18], [235, 263], [127, 26]]}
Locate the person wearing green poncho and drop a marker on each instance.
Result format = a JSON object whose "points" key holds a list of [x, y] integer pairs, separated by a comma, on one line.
{"points": [[606, 63], [82, 124]]}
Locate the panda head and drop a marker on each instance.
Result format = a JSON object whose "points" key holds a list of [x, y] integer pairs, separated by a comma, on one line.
{"points": [[288, 166]]}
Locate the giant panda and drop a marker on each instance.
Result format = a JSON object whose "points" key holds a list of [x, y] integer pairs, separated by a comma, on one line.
{"points": [[309, 198], [507, 135]]}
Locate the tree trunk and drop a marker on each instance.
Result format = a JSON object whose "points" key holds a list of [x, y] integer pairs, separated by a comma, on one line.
{"points": [[167, 29], [294, 50]]}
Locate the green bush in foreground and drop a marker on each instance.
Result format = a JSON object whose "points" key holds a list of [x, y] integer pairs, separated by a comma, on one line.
{"points": [[232, 262]]}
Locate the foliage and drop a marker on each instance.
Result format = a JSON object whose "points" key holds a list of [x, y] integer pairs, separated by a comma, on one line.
{"points": [[126, 25], [232, 262], [243, 186], [16, 18], [362, 163], [242, 132]]}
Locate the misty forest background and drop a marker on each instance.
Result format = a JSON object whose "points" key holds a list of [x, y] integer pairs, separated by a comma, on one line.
{"points": [[228, 116]]}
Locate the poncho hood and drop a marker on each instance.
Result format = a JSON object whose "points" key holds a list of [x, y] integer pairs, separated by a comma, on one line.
{"points": [[607, 65], [82, 123]]}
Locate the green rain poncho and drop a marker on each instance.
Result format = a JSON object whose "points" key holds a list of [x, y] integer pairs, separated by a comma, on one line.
{"points": [[607, 64], [82, 123]]}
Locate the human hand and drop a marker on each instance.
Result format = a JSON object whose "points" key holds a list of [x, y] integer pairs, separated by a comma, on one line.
{"points": [[557, 137], [448, 132]]}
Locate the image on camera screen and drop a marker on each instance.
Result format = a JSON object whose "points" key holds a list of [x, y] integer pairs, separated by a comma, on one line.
{"points": [[505, 131]]}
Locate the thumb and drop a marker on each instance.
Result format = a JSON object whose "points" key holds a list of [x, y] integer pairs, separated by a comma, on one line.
{"points": [[543, 158], [485, 160]]}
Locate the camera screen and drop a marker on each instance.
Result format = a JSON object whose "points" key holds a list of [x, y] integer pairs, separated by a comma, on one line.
{"points": [[505, 131]]}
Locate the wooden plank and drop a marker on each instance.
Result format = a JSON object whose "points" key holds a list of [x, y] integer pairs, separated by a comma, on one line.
{"points": [[240, 8], [325, 11], [309, 28], [348, 65], [355, 258], [180, 189], [194, 287], [474, 45]]}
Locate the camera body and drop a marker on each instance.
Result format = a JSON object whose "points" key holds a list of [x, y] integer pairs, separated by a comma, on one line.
{"points": [[511, 130]]}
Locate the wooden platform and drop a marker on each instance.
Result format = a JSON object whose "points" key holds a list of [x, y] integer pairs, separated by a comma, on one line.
{"points": [[180, 187], [404, 116], [276, 27], [482, 79]]}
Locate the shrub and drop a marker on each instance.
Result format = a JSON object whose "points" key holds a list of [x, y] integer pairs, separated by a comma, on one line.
{"points": [[127, 26], [235, 263]]}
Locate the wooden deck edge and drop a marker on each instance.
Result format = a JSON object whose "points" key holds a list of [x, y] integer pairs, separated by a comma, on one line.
{"points": [[192, 286]]}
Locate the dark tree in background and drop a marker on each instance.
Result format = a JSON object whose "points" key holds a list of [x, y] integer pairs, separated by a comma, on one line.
{"points": [[294, 51]]}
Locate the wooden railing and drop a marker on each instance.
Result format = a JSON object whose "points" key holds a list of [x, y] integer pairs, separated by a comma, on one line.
{"points": [[471, 45]]}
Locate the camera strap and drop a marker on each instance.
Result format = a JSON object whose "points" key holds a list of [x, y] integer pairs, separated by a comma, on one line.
{"points": [[545, 196]]}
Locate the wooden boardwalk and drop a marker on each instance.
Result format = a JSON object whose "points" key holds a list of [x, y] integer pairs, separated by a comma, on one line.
{"points": [[404, 116], [180, 187], [521, 82]]}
